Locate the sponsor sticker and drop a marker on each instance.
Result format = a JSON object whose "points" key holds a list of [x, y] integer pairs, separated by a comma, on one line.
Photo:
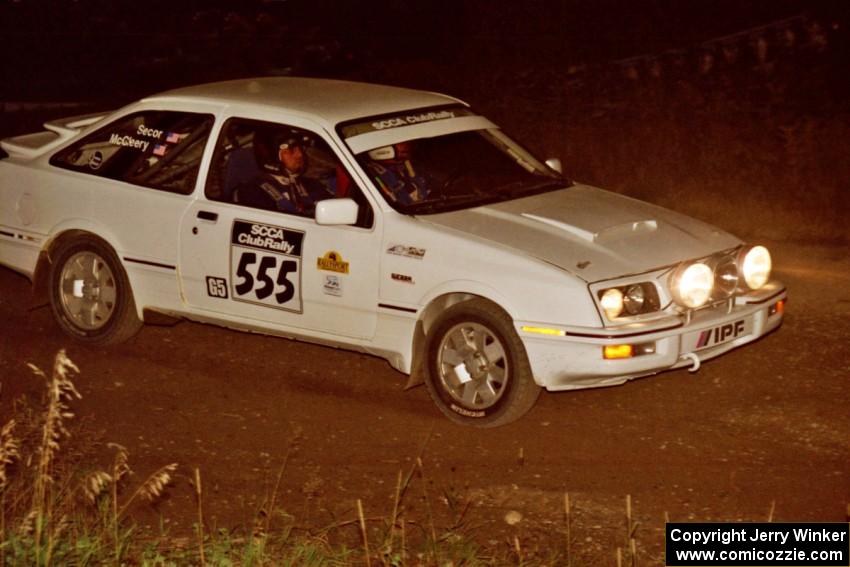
{"points": [[332, 262], [406, 119], [408, 251], [96, 160], [332, 285], [265, 265], [720, 334], [402, 278]]}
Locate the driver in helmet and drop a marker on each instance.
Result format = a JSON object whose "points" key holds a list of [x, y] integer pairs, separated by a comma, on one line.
{"points": [[282, 185], [393, 170]]}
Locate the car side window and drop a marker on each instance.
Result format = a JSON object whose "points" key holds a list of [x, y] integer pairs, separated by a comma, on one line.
{"points": [[281, 168], [156, 149]]}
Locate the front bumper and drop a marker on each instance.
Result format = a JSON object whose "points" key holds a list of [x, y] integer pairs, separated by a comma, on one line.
{"points": [[574, 359]]}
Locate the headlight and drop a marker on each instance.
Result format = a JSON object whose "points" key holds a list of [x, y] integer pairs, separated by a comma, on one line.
{"points": [[692, 284], [629, 300], [755, 266], [612, 303], [634, 299]]}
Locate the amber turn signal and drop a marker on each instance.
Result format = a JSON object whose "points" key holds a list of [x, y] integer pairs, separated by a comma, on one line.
{"points": [[777, 308], [610, 352]]}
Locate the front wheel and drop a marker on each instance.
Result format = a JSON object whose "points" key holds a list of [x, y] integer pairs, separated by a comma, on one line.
{"points": [[90, 295], [478, 371]]}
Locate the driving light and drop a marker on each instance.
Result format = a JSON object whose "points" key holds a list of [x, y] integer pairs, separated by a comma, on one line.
{"points": [[725, 277], [612, 303], [634, 298], [692, 285], [756, 266]]}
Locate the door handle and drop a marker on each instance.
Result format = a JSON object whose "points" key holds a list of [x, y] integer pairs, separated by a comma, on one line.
{"points": [[208, 215]]}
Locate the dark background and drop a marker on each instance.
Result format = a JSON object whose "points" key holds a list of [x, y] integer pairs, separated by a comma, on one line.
{"points": [[97, 48], [734, 112], [696, 105]]}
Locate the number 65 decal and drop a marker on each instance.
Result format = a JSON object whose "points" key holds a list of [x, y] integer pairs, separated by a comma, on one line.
{"points": [[216, 287]]}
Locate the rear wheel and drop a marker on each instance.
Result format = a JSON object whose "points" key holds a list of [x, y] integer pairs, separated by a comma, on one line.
{"points": [[90, 295], [478, 371]]}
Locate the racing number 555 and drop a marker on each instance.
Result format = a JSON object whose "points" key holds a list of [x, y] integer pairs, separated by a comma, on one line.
{"points": [[267, 284], [265, 264]]}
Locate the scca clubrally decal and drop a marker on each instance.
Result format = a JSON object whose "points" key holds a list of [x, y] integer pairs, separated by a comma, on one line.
{"points": [[265, 265]]}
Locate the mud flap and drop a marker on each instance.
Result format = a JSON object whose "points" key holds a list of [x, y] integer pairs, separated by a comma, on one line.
{"points": [[417, 376], [419, 368], [39, 297]]}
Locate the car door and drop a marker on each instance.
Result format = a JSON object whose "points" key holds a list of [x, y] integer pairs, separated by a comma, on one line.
{"points": [[279, 269]]}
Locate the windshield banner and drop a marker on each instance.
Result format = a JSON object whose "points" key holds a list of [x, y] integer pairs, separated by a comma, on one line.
{"points": [[394, 121]]}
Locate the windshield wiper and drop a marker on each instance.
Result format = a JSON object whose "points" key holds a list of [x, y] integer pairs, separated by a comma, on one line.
{"points": [[520, 188], [506, 192], [433, 205], [453, 177]]}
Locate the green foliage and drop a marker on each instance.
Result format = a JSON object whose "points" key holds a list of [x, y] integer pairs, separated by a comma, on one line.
{"points": [[56, 512]]}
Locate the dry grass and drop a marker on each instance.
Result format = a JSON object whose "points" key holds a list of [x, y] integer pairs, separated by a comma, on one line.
{"points": [[9, 452], [41, 497], [41, 523], [40, 494]]}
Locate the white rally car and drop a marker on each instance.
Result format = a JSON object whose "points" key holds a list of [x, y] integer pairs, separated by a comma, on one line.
{"points": [[406, 226]]}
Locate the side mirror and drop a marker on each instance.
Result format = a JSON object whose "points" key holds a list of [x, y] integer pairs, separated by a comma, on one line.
{"points": [[554, 163], [336, 211]]}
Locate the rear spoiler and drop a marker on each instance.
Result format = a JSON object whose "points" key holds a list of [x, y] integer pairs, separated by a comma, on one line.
{"points": [[29, 146]]}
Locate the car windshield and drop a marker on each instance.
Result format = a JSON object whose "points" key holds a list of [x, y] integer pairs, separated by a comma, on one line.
{"points": [[426, 174]]}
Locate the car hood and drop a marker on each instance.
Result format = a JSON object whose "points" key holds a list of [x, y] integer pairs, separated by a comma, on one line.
{"points": [[592, 233]]}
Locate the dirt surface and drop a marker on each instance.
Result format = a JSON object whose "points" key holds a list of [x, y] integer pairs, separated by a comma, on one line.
{"points": [[764, 427]]}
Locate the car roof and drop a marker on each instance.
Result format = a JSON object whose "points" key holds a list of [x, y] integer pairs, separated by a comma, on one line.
{"points": [[330, 100]]}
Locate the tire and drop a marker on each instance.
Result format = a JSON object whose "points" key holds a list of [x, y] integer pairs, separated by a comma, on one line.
{"points": [[478, 370], [90, 295]]}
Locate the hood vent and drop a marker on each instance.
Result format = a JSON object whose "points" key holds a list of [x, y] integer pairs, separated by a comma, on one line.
{"points": [[574, 230], [606, 234]]}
